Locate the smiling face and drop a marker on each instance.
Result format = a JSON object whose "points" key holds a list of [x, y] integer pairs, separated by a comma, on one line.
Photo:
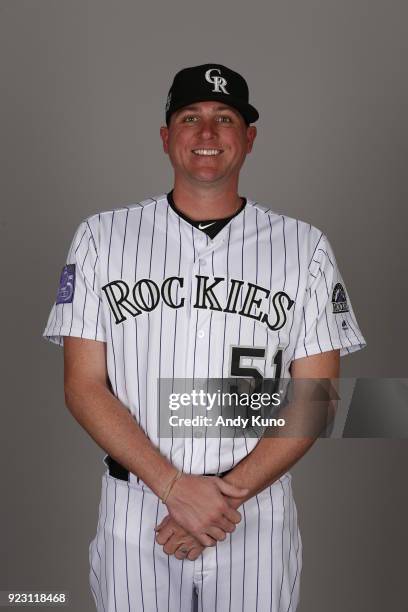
{"points": [[207, 142]]}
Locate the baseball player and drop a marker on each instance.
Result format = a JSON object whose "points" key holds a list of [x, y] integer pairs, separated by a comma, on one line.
{"points": [[198, 283]]}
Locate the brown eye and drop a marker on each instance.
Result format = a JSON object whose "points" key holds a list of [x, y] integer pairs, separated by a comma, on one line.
{"points": [[224, 119]]}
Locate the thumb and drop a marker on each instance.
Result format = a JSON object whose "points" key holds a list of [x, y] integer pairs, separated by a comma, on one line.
{"points": [[230, 489]]}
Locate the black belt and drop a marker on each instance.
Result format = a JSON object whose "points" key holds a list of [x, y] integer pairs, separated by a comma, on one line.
{"points": [[118, 471]]}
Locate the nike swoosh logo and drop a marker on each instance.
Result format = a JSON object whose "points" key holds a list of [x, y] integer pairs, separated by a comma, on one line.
{"points": [[201, 226]]}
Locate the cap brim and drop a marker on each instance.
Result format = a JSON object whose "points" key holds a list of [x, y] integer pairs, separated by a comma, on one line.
{"points": [[249, 112]]}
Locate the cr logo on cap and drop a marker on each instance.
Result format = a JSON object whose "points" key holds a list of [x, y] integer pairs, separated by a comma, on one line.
{"points": [[218, 81]]}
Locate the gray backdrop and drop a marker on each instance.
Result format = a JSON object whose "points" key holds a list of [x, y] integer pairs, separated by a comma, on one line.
{"points": [[83, 89]]}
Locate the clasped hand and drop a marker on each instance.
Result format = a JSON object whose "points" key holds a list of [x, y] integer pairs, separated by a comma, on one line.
{"points": [[201, 513]]}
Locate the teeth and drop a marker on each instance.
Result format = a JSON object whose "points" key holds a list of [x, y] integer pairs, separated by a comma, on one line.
{"points": [[206, 151]]}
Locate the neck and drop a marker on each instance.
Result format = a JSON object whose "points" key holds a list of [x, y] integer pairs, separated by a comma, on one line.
{"points": [[209, 202]]}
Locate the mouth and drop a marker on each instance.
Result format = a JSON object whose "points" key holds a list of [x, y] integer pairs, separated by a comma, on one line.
{"points": [[207, 152]]}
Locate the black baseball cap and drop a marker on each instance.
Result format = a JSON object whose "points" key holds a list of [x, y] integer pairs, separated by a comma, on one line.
{"points": [[210, 82]]}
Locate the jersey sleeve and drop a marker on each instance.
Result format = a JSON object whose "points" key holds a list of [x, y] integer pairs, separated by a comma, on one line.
{"points": [[77, 310], [328, 320]]}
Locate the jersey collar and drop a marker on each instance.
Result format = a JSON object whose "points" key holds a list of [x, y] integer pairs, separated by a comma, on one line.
{"points": [[211, 227]]}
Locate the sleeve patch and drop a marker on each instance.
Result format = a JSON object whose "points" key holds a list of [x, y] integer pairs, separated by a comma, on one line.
{"points": [[339, 299], [66, 288]]}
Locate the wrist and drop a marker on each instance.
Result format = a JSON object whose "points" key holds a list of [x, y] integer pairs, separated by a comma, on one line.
{"points": [[170, 484], [158, 480], [235, 502]]}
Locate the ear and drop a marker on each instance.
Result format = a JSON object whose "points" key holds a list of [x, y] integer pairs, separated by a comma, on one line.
{"points": [[164, 135], [251, 135]]}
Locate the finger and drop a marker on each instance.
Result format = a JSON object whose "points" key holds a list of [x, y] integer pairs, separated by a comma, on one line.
{"points": [[205, 540], [164, 534], [195, 553], [181, 554], [232, 515], [163, 523], [230, 489], [226, 525], [216, 533], [174, 543]]}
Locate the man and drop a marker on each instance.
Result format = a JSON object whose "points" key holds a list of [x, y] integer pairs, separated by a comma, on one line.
{"points": [[196, 284]]}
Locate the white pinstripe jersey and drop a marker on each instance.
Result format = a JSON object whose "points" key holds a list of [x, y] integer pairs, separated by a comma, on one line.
{"points": [[171, 302]]}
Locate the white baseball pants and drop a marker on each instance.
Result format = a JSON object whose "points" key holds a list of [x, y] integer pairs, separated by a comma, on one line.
{"points": [[255, 569]]}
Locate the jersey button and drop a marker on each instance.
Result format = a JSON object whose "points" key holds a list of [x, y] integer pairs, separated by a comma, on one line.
{"points": [[201, 333]]}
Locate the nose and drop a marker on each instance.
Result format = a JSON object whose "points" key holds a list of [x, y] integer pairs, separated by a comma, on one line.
{"points": [[208, 128]]}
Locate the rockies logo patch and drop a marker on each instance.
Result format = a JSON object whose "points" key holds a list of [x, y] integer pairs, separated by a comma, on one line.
{"points": [[339, 299], [66, 288]]}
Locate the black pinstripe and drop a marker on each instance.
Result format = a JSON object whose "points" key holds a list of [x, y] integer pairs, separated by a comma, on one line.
{"points": [[86, 290], [139, 549], [97, 319], [126, 551], [283, 528], [202, 583], [297, 557], [224, 344], [181, 580], [174, 341], [230, 570], [314, 251], [297, 286], [104, 539], [123, 328], [110, 314], [154, 556], [272, 517], [284, 266], [97, 550], [208, 364], [148, 314], [240, 322], [161, 320], [136, 342], [194, 354], [290, 530], [318, 315], [113, 548], [95, 543], [243, 556], [257, 556]]}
